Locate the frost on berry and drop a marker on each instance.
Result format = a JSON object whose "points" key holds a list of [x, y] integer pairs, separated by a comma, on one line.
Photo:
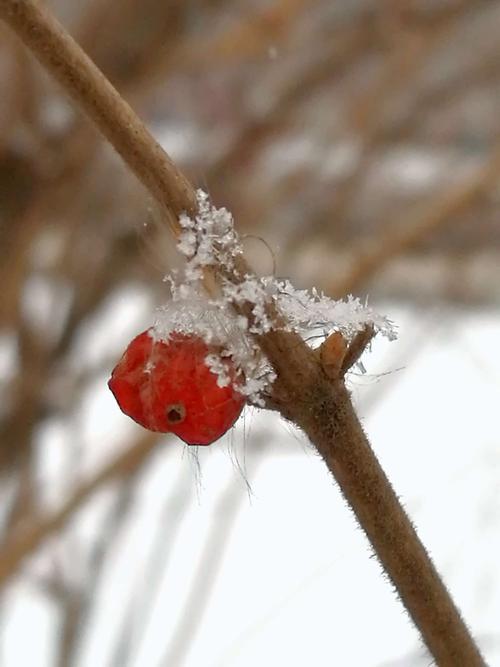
{"points": [[192, 372], [210, 240], [166, 386], [213, 320]]}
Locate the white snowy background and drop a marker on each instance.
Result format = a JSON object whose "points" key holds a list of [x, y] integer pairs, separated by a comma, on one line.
{"points": [[258, 559]]}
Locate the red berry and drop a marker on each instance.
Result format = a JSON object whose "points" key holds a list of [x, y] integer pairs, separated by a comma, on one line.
{"points": [[166, 386]]}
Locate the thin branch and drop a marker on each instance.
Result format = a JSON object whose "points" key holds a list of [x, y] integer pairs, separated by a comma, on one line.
{"points": [[420, 223], [28, 538], [204, 580], [141, 605], [411, 45], [318, 404], [73, 629]]}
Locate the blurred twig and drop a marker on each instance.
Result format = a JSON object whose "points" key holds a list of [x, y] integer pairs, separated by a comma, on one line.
{"points": [[210, 562], [26, 539], [419, 224], [140, 608], [75, 622]]}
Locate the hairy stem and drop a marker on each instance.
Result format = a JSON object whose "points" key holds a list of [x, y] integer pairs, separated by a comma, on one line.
{"points": [[323, 409], [95, 95], [303, 391], [390, 532]]}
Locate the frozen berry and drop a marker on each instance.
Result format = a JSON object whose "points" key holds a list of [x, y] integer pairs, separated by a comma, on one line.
{"points": [[166, 386]]}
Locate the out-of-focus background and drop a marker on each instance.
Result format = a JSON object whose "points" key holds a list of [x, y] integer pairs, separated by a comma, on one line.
{"points": [[358, 145]]}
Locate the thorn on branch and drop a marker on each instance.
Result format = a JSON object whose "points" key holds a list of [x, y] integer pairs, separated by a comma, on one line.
{"points": [[356, 347], [332, 354], [337, 356]]}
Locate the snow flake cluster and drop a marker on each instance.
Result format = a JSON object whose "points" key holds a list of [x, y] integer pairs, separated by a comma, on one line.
{"points": [[210, 240], [192, 313]]}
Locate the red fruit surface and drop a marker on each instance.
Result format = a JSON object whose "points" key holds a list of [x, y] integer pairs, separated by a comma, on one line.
{"points": [[166, 386]]}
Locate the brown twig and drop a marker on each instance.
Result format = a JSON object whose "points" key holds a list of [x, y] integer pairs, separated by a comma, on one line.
{"points": [[356, 348], [210, 562], [93, 93], [324, 411], [29, 537], [420, 223], [318, 404], [415, 45]]}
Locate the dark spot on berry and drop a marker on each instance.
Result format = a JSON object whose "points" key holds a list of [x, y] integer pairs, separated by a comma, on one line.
{"points": [[176, 413]]}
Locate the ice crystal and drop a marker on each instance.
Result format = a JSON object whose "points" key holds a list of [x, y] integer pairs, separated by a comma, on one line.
{"points": [[210, 240], [213, 320]]}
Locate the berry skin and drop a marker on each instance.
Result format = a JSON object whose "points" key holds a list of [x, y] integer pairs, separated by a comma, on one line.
{"points": [[166, 386]]}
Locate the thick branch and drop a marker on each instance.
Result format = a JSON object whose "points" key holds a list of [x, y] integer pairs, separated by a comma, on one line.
{"points": [[305, 394], [95, 95], [349, 456]]}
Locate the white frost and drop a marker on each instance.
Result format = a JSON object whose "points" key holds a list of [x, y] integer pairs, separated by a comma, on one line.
{"points": [[210, 240]]}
